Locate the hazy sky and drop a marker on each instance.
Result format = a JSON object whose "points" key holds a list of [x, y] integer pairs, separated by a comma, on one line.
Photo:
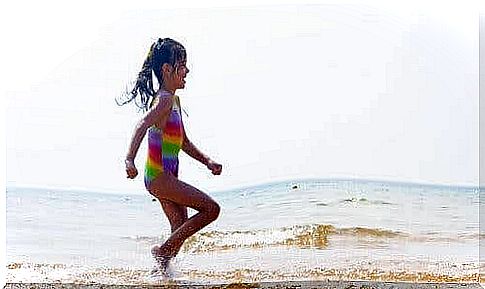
{"points": [[275, 92]]}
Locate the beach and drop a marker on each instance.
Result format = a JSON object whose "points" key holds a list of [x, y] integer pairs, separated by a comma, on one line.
{"points": [[302, 231], [269, 285]]}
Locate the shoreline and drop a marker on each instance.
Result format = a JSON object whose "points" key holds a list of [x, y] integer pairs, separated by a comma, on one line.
{"points": [[263, 285]]}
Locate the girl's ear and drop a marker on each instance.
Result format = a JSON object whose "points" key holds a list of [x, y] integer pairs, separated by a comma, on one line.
{"points": [[166, 68]]}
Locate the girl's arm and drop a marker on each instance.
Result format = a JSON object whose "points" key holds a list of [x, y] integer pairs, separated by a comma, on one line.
{"points": [[189, 148], [157, 112]]}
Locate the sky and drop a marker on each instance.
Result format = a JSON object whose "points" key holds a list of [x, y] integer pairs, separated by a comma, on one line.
{"points": [[275, 92]]}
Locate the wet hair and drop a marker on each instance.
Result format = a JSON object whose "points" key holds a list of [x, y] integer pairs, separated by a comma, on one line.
{"points": [[161, 51]]}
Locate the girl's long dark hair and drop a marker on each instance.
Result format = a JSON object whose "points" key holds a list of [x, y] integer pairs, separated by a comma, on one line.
{"points": [[161, 51]]}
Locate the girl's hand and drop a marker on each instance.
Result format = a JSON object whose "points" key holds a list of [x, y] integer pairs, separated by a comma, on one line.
{"points": [[131, 171], [214, 167]]}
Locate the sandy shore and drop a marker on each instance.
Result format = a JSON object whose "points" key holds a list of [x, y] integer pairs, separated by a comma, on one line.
{"points": [[263, 285]]}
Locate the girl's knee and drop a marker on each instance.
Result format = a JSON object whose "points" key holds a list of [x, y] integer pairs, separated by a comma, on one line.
{"points": [[213, 210]]}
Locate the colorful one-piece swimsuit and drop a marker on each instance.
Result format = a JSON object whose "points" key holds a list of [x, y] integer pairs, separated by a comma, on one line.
{"points": [[164, 146]]}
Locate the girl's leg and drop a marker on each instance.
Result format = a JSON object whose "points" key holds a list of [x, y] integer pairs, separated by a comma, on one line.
{"points": [[176, 214], [168, 188]]}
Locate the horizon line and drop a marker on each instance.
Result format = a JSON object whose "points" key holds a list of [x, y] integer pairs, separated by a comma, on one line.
{"points": [[258, 184]]}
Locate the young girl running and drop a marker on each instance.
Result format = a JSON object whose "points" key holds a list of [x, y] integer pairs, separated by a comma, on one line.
{"points": [[166, 136]]}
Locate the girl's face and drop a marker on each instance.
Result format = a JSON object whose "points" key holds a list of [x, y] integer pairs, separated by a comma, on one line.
{"points": [[180, 72], [174, 76]]}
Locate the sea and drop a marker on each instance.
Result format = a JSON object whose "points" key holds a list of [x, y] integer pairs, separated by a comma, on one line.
{"points": [[318, 229]]}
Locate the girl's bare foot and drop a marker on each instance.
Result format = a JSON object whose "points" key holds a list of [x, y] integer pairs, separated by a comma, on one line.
{"points": [[161, 260]]}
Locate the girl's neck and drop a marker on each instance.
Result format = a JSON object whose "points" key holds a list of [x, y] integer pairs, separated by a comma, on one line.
{"points": [[167, 90]]}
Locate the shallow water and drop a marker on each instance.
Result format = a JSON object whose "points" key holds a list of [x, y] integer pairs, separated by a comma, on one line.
{"points": [[302, 230]]}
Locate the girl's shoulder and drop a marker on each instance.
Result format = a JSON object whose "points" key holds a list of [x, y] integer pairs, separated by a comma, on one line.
{"points": [[158, 97], [176, 100]]}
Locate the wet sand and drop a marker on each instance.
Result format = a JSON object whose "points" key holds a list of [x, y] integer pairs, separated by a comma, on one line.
{"points": [[262, 285]]}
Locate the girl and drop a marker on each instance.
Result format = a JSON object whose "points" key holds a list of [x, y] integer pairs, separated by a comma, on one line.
{"points": [[166, 136]]}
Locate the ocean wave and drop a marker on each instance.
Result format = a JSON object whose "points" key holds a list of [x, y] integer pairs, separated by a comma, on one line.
{"points": [[364, 201], [18, 265], [144, 239], [438, 237], [316, 236], [301, 236]]}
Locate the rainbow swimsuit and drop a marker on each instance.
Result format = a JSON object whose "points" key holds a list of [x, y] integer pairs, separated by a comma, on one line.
{"points": [[164, 146]]}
